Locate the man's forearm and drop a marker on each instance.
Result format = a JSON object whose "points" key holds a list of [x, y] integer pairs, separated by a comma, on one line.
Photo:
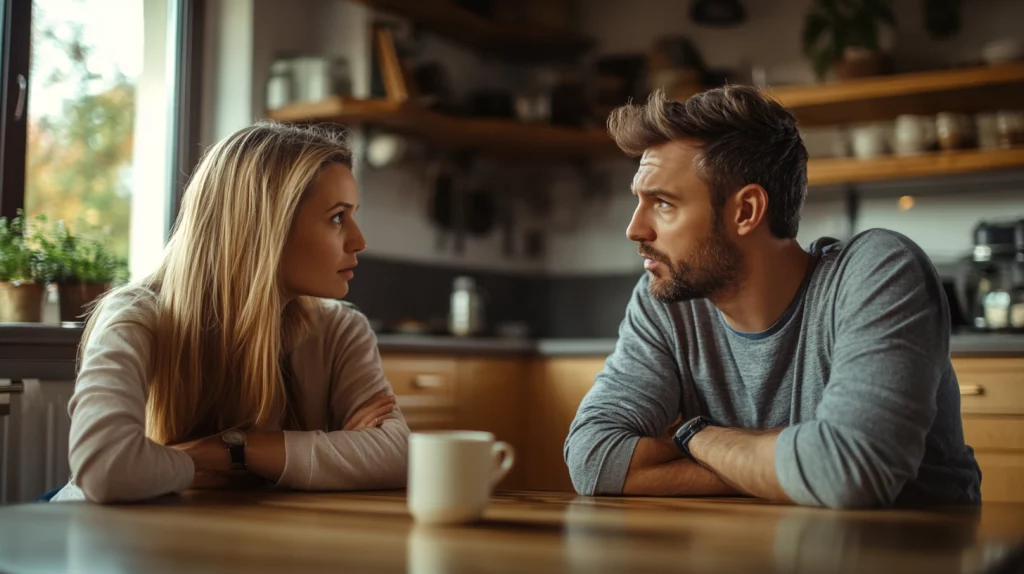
{"points": [[743, 459], [657, 469]]}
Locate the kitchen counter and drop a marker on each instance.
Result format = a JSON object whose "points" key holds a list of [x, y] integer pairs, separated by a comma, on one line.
{"points": [[34, 351]]}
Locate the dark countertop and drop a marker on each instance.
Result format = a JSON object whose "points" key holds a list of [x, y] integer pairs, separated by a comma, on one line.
{"points": [[49, 352]]}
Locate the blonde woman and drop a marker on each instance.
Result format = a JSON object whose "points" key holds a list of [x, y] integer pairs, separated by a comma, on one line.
{"points": [[234, 358]]}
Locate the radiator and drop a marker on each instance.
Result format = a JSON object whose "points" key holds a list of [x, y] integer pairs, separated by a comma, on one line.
{"points": [[34, 440]]}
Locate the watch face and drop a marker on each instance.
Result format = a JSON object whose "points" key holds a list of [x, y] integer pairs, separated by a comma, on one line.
{"points": [[233, 437]]}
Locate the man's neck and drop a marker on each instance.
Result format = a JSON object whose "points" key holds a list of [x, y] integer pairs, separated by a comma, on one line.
{"points": [[774, 274]]}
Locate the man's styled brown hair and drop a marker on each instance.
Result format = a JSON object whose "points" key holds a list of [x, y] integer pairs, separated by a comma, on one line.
{"points": [[745, 137]]}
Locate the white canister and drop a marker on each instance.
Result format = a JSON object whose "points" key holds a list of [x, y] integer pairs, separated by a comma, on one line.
{"points": [[868, 141], [911, 134]]}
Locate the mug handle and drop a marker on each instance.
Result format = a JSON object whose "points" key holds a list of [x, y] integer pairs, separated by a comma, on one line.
{"points": [[504, 456]]}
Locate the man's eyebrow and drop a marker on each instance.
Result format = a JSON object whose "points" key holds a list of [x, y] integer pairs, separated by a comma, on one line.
{"points": [[653, 192]]}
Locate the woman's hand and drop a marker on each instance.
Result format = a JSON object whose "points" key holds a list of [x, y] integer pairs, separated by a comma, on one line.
{"points": [[372, 413], [208, 454]]}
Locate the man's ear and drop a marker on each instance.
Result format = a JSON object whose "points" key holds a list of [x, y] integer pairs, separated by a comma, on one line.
{"points": [[751, 208]]}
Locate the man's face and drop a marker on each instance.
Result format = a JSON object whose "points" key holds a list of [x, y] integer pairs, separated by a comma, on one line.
{"points": [[682, 237]]}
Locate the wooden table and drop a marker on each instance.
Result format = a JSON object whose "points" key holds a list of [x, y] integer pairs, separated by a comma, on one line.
{"points": [[522, 532]]}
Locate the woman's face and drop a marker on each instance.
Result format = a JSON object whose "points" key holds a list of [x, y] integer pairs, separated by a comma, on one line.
{"points": [[319, 256]]}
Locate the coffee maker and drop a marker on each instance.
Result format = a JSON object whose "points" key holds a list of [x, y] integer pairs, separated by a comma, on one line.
{"points": [[990, 284]]}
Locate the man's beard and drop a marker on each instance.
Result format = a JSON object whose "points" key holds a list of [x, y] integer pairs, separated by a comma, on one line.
{"points": [[711, 270]]}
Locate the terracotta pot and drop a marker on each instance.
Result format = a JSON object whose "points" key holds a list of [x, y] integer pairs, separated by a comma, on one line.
{"points": [[75, 299], [859, 63], [21, 302]]}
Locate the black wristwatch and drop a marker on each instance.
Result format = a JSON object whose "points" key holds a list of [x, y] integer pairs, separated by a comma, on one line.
{"points": [[235, 441], [687, 432]]}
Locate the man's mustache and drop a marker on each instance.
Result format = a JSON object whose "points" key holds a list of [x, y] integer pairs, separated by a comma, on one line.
{"points": [[648, 252]]}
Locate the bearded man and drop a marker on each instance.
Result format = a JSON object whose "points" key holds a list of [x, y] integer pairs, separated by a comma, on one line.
{"points": [[818, 377]]}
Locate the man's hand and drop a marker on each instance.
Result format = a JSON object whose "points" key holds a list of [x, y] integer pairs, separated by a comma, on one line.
{"points": [[372, 413]]}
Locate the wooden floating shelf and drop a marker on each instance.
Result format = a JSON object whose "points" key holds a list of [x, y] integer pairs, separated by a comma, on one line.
{"points": [[968, 90], [851, 170], [512, 41], [496, 137], [973, 89]]}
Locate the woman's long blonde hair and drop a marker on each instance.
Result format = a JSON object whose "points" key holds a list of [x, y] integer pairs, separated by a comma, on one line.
{"points": [[221, 335]]}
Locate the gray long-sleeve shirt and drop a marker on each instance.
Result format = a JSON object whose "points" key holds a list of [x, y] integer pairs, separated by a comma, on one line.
{"points": [[856, 372]]}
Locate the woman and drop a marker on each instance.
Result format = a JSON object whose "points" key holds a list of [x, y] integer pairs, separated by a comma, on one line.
{"points": [[239, 329]]}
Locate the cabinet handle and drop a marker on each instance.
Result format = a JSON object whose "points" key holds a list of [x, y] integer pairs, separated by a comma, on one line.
{"points": [[11, 389], [427, 382], [971, 390]]}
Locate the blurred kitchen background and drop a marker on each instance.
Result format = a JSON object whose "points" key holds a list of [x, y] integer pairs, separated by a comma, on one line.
{"points": [[482, 154], [493, 202]]}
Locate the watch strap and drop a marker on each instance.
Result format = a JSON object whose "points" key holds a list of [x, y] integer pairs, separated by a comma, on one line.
{"points": [[237, 456], [686, 432]]}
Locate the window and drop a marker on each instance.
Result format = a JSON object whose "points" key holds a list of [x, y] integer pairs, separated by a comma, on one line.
{"points": [[103, 116]]}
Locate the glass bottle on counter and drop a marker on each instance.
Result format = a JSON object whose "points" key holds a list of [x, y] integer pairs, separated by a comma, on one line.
{"points": [[466, 316]]}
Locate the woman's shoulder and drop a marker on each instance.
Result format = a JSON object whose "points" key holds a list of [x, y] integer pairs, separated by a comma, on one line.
{"points": [[342, 322], [132, 306]]}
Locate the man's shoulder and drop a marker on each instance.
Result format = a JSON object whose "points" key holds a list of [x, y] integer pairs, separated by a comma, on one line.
{"points": [[862, 257]]}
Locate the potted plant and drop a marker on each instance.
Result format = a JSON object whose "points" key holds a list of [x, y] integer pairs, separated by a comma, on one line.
{"points": [[21, 286], [81, 267], [843, 35]]}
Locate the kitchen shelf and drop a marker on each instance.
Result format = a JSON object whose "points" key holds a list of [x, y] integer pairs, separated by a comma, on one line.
{"points": [[511, 41], [968, 90], [495, 137], [850, 170]]}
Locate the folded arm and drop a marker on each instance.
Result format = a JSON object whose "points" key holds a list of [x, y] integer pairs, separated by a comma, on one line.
{"points": [[613, 445], [373, 457]]}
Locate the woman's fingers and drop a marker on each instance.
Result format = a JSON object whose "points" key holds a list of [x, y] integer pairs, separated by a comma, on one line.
{"points": [[370, 409]]}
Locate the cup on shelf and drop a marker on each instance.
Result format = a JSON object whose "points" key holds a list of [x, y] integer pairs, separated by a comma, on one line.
{"points": [[954, 131], [868, 140], [987, 129], [913, 134], [1010, 128]]}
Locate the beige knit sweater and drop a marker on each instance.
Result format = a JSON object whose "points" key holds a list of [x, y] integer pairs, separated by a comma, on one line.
{"points": [[338, 367]]}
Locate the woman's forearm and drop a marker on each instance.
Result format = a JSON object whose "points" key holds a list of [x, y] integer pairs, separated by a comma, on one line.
{"points": [[264, 454]]}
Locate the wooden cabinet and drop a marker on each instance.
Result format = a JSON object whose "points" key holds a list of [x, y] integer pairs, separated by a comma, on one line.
{"points": [[425, 388], [992, 406], [448, 393], [557, 386]]}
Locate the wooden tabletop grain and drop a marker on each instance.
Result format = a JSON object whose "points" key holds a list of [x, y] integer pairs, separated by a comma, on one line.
{"points": [[211, 531]]}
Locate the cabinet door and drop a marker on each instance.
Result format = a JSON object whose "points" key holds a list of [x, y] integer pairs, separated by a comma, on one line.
{"points": [[489, 394], [556, 388], [989, 385], [425, 389], [998, 443]]}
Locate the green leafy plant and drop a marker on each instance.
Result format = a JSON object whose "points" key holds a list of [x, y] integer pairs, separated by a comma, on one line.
{"points": [[67, 258], [832, 26], [19, 261]]}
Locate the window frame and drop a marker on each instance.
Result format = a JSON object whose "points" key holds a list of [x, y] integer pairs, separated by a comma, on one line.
{"points": [[15, 43]]}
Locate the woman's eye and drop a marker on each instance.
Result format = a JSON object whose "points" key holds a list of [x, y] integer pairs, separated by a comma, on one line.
{"points": [[338, 217]]}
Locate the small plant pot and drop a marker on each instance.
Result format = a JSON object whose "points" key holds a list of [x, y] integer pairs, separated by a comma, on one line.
{"points": [[21, 302], [861, 63], [76, 298]]}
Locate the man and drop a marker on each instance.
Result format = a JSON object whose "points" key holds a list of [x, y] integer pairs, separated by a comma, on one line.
{"points": [[817, 377]]}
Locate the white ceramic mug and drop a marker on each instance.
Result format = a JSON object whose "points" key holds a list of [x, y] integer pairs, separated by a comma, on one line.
{"points": [[452, 474]]}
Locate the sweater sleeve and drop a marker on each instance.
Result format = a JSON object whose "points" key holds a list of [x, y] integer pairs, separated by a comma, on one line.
{"points": [[636, 395], [365, 459], [110, 457], [891, 340]]}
